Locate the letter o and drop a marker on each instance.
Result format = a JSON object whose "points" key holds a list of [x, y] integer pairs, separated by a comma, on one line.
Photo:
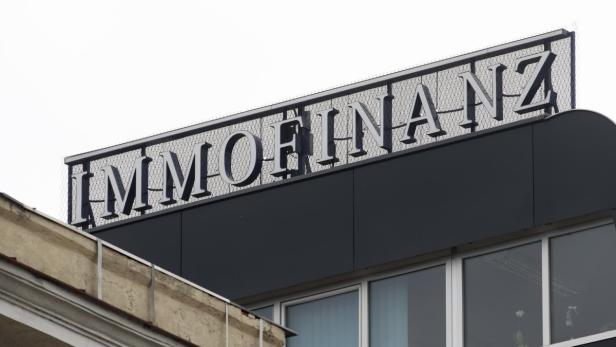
{"points": [[255, 160]]}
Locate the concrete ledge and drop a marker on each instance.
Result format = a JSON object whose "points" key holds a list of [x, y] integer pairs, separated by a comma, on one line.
{"points": [[112, 278]]}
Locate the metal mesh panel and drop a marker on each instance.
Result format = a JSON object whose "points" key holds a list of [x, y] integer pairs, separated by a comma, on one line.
{"points": [[240, 157], [450, 100], [125, 162], [513, 83], [294, 161], [183, 148], [342, 130], [369, 98], [404, 92], [561, 73], [72, 197], [215, 185], [401, 110], [445, 87], [312, 123], [267, 132]]}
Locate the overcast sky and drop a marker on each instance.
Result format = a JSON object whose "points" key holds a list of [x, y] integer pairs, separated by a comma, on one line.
{"points": [[81, 75]]}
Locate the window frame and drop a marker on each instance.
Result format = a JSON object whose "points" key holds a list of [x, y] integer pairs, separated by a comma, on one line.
{"points": [[454, 287], [547, 302], [272, 305], [407, 271], [458, 275], [327, 294]]}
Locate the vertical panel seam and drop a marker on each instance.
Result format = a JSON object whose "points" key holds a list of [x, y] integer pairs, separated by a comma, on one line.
{"points": [[353, 206], [532, 167], [182, 243]]}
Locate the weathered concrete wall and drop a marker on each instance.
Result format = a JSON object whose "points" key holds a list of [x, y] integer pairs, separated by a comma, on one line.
{"points": [[149, 294]]}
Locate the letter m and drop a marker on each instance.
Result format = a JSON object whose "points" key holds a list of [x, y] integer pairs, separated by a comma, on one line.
{"points": [[135, 197], [195, 182]]}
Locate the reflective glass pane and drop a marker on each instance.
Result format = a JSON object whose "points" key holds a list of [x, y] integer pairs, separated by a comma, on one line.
{"points": [[502, 298], [409, 310], [583, 283], [327, 322], [265, 312]]}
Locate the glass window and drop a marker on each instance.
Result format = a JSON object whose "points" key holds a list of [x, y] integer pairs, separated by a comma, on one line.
{"points": [[265, 312], [583, 283], [409, 310], [329, 322], [502, 298]]}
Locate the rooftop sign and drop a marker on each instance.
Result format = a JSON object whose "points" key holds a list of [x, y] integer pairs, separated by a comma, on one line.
{"points": [[389, 115]]}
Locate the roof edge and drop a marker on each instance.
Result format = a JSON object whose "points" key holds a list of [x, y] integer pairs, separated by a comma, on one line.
{"points": [[21, 209]]}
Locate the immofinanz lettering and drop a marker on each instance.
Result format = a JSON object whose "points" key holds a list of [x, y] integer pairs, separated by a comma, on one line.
{"points": [[396, 113]]}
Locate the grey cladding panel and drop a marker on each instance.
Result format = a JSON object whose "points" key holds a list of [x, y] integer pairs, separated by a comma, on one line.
{"points": [[575, 166], [157, 240], [272, 239], [443, 197]]}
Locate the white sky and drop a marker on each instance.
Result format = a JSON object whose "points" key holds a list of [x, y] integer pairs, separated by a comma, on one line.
{"points": [[81, 75]]}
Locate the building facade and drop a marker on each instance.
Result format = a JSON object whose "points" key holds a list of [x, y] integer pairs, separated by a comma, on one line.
{"points": [[62, 287], [461, 203]]}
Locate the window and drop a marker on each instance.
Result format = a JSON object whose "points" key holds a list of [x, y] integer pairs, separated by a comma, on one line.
{"points": [[502, 298], [409, 310], [331, 321], [556, 289], [583, 283], [265, 312]]}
